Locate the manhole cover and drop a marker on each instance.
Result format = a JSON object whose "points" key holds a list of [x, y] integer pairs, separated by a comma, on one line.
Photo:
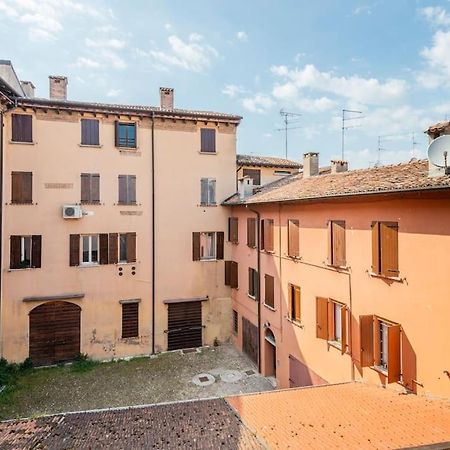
{"points": [[203, 379], [249, 372], [230, 376]]}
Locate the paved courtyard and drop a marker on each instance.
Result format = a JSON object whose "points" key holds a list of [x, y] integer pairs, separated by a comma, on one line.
{"points": [[210, 372]]}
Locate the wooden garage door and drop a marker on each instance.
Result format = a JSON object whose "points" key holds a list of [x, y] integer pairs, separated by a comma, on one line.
{"points": [[54, 333], [250, 339], [185, 325]]}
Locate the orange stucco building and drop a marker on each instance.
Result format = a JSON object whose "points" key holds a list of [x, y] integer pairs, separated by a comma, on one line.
{"points": [[343, 276]]}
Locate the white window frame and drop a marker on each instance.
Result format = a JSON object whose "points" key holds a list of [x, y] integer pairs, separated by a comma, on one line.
{"points": [[90, 262], [209, 201], [22, 250], [384, 344], [213, 235]]}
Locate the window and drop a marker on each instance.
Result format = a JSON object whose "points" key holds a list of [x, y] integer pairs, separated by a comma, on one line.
{"points": [[380, 346], [130, 319], [207, 191], [385, 249], [235, 322], [252, 282], [127, 189], [22, 128], [127, 247], [207, 246], [233, 230], [231, 274], [251, 232], [90, 132], [282, 172], [293, 239], [269, 291], [331, 322], [122, 248], [90, 188], [336, 243], [254, 174], [208, 140], [89, 249], [22, 187], [125, 134], [25, 252], [294, 303], [267, 235]]}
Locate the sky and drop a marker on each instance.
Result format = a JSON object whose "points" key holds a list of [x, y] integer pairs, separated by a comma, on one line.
{"points": [[388, 59]]}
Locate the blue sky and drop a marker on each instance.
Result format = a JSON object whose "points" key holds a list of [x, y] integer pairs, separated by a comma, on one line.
{"points": [[389, 59]]}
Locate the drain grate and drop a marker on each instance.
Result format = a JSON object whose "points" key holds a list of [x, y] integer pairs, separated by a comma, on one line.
{"points": [[203, 379], [249, 372]]}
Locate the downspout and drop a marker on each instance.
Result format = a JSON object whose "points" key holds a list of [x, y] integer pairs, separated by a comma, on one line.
{"points": [[153, 232], [258, 291]]}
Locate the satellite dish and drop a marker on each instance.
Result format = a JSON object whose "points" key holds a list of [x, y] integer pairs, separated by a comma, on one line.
{"points": [[439, 151]]}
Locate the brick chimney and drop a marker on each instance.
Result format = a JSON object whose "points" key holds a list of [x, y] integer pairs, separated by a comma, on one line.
{"points": [[28, 88], [338, 166], [58, 87], [166, 98], [310, 164]]}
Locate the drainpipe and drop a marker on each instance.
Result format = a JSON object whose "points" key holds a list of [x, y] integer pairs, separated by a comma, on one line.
{"points": [[258, 291], [153, 232]]}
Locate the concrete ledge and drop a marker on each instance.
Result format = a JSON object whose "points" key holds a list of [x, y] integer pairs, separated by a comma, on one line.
{"points": [[48, 298]]}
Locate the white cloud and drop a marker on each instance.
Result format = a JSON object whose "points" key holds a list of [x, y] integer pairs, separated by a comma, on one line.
{"points": [[242, 36], [112, 43], [363, 9], [231, 90], [168, 26], [436, 15], [438, 58], [114, 92], [86, 63], [190, 55], [259, 103]]}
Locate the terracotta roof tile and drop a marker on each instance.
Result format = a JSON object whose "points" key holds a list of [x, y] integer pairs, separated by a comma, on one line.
{"points": [[267, 161], [412, 176], [344, 416]]}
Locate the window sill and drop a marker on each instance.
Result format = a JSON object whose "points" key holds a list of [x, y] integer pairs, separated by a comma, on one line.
{"points": [[332, 266], [208, 260], [294, 258], [251, 296], [22, 269], [380, 370], [251, 246], [335, 344], [125, 263], [269, 252], [271, 308], [128, 204], [86, 265], [207, 153], [91, 203], [22, 203], [90, 145], [377, 275], [297, 323], [208, 205], [126, 148], [22, 143]]}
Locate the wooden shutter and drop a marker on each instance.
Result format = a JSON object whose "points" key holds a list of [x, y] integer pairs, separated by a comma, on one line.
{"points": [[74, 249], [89, 132], [322, 318], [366, 331], [131, 247], [36, 250], [251, 282], [251, 232], [196, 246], [233, 230], [228, 273], [394, 363], [234, 280], [130, 320], [132, 188], [293, 238], [219, 244], [267, 235], [95, 188], [376, 247], [116, 133], [269, 291], [295, 291], [122, 189], [389, 249], [22, 187], [338, 243], [14, 258], [344, 312], [208, 140], [85, 188], [113, 248], [22, 128], [104, 248]]}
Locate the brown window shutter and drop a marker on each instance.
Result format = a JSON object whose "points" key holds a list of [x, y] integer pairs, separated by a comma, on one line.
{"points": [[394, 363], [116, 133], [366, 331], [196, 246], [27, 187], [251, 232], [293, 238], [269, 295], [123, 198], [208, 140], [89, 132], [130, 320], [233, 231], [132, 188], [251, 280], [297, 311], [131, 247], [16, 187], [85, 188], [14, 258], [376, 247], [234, 275], [322, 318], [389, 249], [74, 249], [95, 188], [228, 273], [219, 244], [22, 128], [22, 187], [338, 233], [36, 251], [344, 312], [104, 248], [113, 248], [269, 235]]}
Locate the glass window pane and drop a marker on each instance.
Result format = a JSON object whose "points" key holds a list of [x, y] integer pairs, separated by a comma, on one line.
{"points": [[85, 248], [94, 248], [337, 323], [123, 248], [383, 344], [25, 257], [207, 246]]}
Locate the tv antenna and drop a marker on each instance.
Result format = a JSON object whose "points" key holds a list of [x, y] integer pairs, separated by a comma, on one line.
{"points": [[289, 118], [348, 115], [389, 137]]}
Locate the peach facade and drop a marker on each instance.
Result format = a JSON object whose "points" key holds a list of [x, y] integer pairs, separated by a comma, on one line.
{"points": [[268, 174], [417, 300]]}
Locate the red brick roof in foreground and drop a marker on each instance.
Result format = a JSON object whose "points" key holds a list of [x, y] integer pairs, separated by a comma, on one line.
{"points": [[344, 416], [406, 177]]}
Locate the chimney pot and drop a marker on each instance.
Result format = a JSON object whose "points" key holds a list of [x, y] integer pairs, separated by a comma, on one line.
{"points": [[245, 187], [338, 166], [58, 87], [28, 88], [310, 164], [166, 98]]}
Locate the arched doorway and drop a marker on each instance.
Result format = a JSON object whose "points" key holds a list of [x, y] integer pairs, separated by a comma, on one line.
{"points": [[270, 350], [54, 333]]}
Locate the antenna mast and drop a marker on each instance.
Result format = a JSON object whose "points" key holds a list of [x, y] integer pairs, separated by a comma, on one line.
{"points": [[289, 118], [346, 118]]}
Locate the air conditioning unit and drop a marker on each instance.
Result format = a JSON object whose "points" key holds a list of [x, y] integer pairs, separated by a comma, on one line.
{"points": [[72, 212]]}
